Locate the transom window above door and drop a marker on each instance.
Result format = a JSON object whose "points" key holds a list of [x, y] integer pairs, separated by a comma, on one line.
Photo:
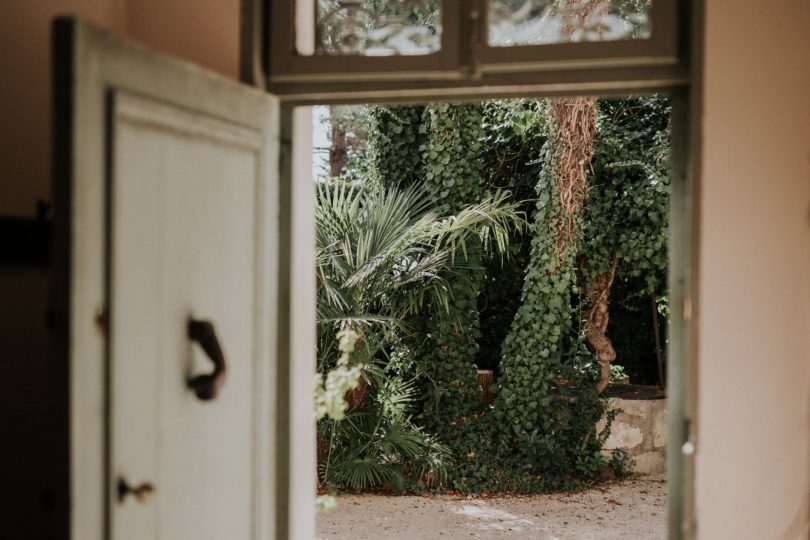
{"points": [[464, 42]]}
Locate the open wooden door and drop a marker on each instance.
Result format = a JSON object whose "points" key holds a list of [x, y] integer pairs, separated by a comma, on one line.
{"points": [[168, 220]]}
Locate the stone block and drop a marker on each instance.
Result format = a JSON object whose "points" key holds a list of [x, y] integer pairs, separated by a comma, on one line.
{"points": [[660, 429], [635, 407], [623, 435], [650, 463]]}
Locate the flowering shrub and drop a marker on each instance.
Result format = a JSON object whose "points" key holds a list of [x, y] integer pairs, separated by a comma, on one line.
{"points": [[330, 392]]}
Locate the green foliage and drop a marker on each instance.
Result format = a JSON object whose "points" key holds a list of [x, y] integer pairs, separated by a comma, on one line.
{"points": [[627, 210], [452, 179], [393, 148], [383, 255], [451, 154], [447, 346], [627, 217], [378, 446], [444, 347], [617, 373], [514, 134], [547, 406], [438, 148], [429, 307]]}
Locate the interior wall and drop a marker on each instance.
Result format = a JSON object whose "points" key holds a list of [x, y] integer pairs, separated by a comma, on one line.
{"points": [[205, 32], [753, 461], [25, 95]]}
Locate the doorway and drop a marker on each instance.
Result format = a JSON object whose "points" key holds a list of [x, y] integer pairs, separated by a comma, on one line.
{"points": [[304, 75], [456, 155]]}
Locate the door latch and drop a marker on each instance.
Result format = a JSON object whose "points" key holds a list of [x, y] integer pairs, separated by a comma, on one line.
{"points": [[142, 492]]}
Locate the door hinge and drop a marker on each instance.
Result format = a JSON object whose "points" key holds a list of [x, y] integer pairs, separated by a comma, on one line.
{"points": [[101, 320]]}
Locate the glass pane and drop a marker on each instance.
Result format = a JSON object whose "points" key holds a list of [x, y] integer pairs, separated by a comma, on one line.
{"points": [[378, 27], [539, 22]]}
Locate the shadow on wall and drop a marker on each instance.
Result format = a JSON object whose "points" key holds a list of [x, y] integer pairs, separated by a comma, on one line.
{"points": [[33, 409]]}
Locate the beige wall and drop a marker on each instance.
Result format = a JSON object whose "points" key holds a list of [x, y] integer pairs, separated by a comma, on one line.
{"points": [[204, 31], [25, 95], [753, 477]]}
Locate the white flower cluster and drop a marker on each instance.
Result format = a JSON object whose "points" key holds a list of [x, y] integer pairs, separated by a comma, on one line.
{"points": [[325, 503], [330, 394]]}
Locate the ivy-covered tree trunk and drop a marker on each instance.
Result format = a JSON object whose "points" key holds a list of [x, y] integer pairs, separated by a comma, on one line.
{"points": [[438, 147], [535, 405], [444, 345], [452, 165]]}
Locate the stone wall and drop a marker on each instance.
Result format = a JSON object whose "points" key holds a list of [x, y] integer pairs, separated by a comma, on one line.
{"points": [[641, 430]]}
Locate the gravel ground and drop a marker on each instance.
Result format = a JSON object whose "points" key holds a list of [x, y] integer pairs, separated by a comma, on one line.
{"points": [[631, 509]]}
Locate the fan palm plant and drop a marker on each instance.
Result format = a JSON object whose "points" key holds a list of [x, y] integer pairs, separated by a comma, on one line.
{"points": [[382, 255], [378, 445]]}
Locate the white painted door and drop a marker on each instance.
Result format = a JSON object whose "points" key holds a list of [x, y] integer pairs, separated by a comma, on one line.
{"points": [[174, 229], [184, 222]]}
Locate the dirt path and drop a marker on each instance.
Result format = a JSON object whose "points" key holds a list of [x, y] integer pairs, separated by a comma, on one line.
{"points": [[633, 509]]}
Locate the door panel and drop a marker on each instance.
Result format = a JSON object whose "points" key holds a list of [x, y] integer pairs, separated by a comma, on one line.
{"points": [[167, 200], [184, 189]]}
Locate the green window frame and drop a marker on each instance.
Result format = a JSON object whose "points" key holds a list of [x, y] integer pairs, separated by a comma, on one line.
{"points": [[465, 64]]}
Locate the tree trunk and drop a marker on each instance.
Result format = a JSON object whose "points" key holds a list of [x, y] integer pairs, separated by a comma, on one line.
{"points": [[486, 378], [596, 323], [576, 128], [338, 149]]}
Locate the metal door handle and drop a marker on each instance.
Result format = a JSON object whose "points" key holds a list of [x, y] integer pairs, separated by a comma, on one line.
{"points": [[207, 386], [142, 492]]}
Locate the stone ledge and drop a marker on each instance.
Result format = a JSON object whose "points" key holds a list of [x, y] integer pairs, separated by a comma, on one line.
{"points": [[641, 430]]}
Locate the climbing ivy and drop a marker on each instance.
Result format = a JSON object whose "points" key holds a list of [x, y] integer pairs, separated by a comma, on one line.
{"points": [[514, 135], [440, 148], [393, 146], [452, 165], [546, 406], [451, 154], [627, 214]]}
